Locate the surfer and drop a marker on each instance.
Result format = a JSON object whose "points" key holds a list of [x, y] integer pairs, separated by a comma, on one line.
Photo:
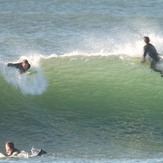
{"points": [[11, 151], [22, 66], [151, 51]]}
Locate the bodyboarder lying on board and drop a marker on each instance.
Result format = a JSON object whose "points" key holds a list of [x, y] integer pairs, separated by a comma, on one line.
{"points": [[22, 66]]}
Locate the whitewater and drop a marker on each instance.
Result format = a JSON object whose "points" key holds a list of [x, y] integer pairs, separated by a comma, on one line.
{"points": [[91, 99]]}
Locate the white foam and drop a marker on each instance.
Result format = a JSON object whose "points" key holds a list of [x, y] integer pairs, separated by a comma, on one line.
{"points": [[34, 84], [111, 47]]}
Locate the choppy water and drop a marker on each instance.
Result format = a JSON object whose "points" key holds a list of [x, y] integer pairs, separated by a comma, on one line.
{"points": [[91, 100]]}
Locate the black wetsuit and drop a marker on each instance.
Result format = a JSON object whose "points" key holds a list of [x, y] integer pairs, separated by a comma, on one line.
{"points": [[14, 152], [150, 50], [18, 66]]}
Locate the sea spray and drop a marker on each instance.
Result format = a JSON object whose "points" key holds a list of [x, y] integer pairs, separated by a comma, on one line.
{"points": [[28, 84]]}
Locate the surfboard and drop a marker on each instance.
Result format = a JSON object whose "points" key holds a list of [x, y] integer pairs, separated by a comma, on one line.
{"points": [[138, 61], [30, 73], [2, 155], [23, 154]]}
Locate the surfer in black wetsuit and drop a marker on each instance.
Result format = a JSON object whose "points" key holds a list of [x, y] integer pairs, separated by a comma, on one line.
{"points": [[22, 66], [151, 51], [11, 151]]}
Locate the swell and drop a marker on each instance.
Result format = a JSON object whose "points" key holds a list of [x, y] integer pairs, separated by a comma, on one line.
{"points": [[103, 103]]}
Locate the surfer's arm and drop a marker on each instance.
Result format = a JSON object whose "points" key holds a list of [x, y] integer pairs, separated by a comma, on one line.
{"points": [[143, 59], [10, 65], [144, 55], [16, 65]]}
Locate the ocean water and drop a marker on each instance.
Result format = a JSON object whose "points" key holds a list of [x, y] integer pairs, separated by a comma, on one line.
{"points": [[91, 100]]}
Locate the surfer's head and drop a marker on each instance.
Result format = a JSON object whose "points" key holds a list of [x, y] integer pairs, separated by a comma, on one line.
{"points": [[146, 39], [25, 61], [9, 147], [10, 144], [25, 64]]}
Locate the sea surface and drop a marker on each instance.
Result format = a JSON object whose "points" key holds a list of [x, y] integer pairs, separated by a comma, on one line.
{"points": [[91, 101]]}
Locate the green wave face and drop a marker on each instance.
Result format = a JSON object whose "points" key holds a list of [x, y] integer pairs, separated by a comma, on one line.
{"points": [[95, 105]]}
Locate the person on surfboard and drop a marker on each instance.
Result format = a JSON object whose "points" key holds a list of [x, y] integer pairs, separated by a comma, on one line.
{"points": [[151, 51], [22, 66], [11, 151]]}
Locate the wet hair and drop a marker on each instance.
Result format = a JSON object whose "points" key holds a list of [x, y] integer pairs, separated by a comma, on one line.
{"points": [[10, 144], [146, 39], [25, 61]]}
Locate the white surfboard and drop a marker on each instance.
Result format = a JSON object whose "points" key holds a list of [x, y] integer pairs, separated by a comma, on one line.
{"points": [[2, 155]]}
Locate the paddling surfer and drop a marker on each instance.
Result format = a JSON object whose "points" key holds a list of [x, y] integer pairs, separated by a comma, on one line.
{"points": [[12, 152]]}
